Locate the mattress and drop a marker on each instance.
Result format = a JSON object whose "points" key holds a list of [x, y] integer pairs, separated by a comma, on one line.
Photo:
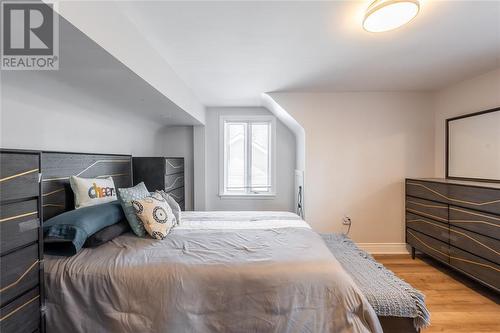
{"points": [[215, 272]]}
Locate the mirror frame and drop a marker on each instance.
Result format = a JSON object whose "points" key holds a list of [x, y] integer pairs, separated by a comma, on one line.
{"points": [[447, 146]]}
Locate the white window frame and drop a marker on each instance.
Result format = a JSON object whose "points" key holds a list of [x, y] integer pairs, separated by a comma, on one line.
{"points": [[272, 159]]}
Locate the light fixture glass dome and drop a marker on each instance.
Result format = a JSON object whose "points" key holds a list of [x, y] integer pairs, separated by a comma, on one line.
{"points": [[385, 15]]}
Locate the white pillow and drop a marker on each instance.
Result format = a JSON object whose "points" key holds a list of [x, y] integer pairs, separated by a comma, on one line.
{"points": [[176, 209], [92, 191]]}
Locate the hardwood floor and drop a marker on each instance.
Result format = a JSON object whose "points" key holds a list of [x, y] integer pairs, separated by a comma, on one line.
{"points": [[456, 303]]}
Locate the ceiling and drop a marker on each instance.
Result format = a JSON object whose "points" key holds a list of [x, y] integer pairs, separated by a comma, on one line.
{"points": [[231, 52]]}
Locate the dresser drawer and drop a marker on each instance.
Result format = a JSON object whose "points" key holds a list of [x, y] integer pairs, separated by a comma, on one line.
{"points": [[479, 268], [174, 181], [478, 198], [434, 210], [19, 272], [21, 315], [482, 223], [18, 176], [18, 224], [177, 194], [427, 190], [174, 165], [428, 245], [427, 226], [485, 247]]}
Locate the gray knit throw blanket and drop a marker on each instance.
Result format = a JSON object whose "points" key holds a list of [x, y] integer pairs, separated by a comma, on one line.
{"points": [[387, 294]]}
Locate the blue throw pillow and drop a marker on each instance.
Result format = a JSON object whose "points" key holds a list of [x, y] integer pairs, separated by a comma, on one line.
{"points": [[125, 197], [66, 233]]}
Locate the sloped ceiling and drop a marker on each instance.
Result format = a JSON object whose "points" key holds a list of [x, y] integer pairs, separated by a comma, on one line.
{"points": [[229, 52], [87, 68]]}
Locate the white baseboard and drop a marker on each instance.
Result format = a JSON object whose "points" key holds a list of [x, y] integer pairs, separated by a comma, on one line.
{"points": [[384, 248]]}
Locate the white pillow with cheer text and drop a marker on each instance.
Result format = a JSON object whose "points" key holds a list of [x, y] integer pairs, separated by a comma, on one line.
{"points": [[92, 191]]}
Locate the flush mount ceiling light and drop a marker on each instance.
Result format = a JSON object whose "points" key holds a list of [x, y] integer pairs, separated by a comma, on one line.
{"points": [[385, 15]]}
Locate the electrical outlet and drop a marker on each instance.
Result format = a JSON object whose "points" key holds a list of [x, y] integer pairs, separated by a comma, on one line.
{"points": [[346, 220]]}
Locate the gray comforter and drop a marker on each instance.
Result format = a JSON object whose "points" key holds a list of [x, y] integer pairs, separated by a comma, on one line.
{"points": [[277, 276]]}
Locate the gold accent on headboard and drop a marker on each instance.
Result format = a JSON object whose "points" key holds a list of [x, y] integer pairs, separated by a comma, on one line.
{"points": [[18, 175], [17, 216], [20, 278], [53, 192], [90, 166], [19, 308], [456, 258], [455, 200], [102, 176], [54, 205]]}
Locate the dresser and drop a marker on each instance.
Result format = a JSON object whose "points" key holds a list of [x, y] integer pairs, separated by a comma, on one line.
{"points": [[161, 173], [21, 246], [457, 223]]}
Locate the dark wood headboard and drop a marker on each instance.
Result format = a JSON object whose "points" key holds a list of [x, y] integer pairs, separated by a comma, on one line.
{"points": [[57, 167]]}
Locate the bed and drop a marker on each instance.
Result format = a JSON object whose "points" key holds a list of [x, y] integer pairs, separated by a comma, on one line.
{"points": [[216, 272]]}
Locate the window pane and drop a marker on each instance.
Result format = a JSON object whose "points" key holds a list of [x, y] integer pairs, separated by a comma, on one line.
{"points": [[260, 158], [235, 143]]}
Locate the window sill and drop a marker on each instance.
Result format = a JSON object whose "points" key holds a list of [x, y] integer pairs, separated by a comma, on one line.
{"points": [[266, 196]]}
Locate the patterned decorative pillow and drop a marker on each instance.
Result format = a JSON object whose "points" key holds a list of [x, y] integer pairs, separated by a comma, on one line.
{"points": [[125, 196], [155, 214], [92, 191], [176, 209]]}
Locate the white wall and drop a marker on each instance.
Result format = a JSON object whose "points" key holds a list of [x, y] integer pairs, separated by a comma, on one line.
{"points": [[43, 113], [177, 141], [359, 148], [285, 165], [199, 168], [38, 112], [472, 95]]}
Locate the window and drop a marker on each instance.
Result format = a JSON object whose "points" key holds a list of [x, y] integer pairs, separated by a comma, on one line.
{"points": [[247, 150]]}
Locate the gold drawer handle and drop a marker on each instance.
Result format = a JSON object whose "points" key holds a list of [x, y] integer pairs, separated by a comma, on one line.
{"points": [[474, 240], [423, 221], [457, 232], [18, 216], [19, 308], [474, 221], [425, 244], [426, 214], [452, 257], [18, 175], [456, 200], [20, 278], [476, 214], [424, 205]]}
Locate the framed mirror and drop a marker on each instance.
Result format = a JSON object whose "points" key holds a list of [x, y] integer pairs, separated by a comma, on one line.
{"points": [[473, 146]]}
